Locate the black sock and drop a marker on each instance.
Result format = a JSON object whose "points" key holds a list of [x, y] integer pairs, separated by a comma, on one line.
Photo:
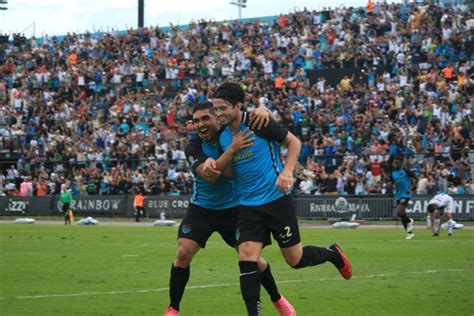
{"points": [[250, 286], [268, 282], [313, 255], [178, 280], [405, 220]]}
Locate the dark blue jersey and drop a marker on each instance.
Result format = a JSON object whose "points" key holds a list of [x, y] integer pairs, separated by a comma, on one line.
{"points": [[402, 181], [220, 195], [257, 167]]}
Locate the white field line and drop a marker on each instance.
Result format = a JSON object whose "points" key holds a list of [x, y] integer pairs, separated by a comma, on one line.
{"points": [[413, 240], [224, 285]]}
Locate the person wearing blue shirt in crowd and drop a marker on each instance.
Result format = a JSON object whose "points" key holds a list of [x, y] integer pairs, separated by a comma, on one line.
{"points": [[265, 185], [350, 143], [213, 208], [402, 182]]}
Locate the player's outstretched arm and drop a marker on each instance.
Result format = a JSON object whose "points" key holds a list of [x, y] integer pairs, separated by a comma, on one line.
{"points": [[285, 179]]}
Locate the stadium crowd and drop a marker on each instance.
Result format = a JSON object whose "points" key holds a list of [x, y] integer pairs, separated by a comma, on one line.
{"points": [[105, 113]]}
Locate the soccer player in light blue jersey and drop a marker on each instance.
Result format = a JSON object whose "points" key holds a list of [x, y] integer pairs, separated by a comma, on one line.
{"points": [[267, 206], [213, 207], [403, 186]]}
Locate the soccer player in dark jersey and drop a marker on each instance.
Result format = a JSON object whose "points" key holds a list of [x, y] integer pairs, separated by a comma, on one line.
{"points": [[267, 206], [402, 181], [213, 208]]}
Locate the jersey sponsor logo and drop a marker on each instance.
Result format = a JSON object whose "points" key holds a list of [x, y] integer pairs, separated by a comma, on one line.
{"points": [[186, 229], [242, 156]]}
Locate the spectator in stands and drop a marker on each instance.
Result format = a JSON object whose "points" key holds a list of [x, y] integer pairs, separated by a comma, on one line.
{"points": [[104, 96]]}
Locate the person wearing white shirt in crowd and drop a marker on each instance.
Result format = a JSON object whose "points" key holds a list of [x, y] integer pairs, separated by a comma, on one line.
{"points": [[140, 76], [441, 206], [320, 85], [172, 173], [268, 68], [263, 101], [422, 185], [306, 185], [12, 173]]}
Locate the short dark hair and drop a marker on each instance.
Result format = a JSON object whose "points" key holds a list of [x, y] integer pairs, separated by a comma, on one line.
{"points": [[432, 207], [231, 92], [203, 106]]}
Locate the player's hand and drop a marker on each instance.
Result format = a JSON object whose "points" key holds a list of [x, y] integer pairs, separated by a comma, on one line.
{"points": [[210, 168], [259, 118], [242, 140], [285, 182]]}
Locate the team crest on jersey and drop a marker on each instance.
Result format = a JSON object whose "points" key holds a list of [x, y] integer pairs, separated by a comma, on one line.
{"points": [[186, 229], [191, 160]]}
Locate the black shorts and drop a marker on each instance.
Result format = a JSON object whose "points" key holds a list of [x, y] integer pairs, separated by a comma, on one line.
{"points": [[199, 223], [403, 201], [277, 218], [66, 207]]}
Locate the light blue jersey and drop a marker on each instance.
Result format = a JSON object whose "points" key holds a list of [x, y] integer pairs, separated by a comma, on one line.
{"points": [[220, 195], [257, 167], [402, 181]]}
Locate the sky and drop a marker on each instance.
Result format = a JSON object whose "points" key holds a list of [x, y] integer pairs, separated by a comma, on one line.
{"points": [[57, 17]]}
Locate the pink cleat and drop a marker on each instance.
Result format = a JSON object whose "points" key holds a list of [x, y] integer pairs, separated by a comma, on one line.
{"points": [[284, 307], [171, 312]]}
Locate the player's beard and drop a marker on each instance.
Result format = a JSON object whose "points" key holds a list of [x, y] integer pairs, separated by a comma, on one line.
{"points": [[223, 120], [227, 119], [205, 134]]}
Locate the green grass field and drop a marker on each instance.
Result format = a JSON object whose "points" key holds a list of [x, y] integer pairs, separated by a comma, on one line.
{"points": [[105, 270]]}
